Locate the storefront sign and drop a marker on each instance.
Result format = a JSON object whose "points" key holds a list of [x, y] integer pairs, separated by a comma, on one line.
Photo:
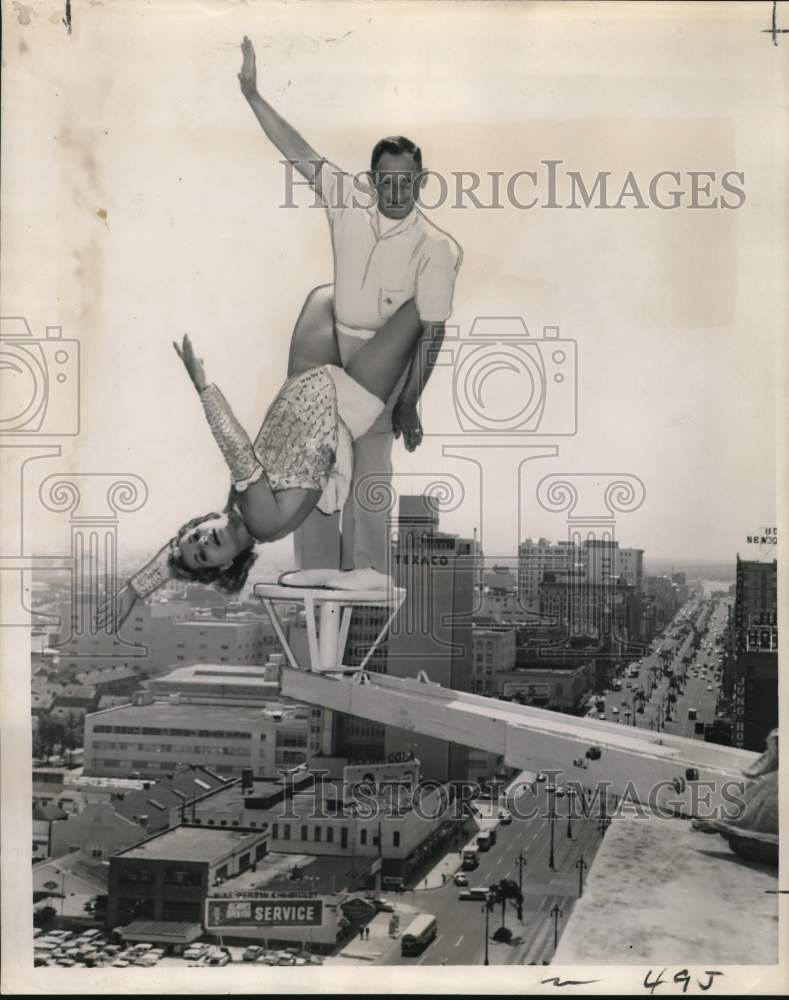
{"points": [[264, 913]]}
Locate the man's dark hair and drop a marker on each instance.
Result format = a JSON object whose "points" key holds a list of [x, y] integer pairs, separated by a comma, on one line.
{"points": [[396, 145], [229, 581]]}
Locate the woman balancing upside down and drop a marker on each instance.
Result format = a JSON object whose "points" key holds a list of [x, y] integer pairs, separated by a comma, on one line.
{"points": [[301, 459]]}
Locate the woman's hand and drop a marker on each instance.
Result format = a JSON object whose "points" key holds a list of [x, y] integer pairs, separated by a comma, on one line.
{"points": [[248, 75], [193, 364], [116, 610]]}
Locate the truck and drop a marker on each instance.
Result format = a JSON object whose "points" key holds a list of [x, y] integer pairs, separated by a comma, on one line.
{"points": [[470, 858], [484, 841]]}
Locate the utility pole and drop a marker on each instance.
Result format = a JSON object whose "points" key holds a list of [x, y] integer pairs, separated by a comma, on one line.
{"points": [[486, 911], [556, 913], [581, 865]]}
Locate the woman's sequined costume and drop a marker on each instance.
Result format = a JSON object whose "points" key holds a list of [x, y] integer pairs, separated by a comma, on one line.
{"points": [[301, 443]]}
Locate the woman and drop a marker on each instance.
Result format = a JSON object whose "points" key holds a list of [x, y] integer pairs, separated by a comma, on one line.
{"points": [[301, 459]]}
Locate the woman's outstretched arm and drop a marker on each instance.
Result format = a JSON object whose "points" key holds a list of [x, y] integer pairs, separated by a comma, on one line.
{"points": [[233, 441]]}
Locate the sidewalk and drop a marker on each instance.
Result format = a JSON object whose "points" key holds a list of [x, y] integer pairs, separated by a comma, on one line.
{"points": [[442, 872], [380, 942]]}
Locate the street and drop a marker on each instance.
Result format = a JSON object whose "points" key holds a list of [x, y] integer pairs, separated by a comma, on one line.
{"points": [[461, 923]]}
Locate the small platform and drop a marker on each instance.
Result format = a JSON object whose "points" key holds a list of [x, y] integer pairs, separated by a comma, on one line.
{"points": [[334, 609]]}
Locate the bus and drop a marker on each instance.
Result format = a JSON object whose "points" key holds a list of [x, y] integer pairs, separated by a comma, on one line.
{"points": [[484, 841], [470, 858], [418, 935]]}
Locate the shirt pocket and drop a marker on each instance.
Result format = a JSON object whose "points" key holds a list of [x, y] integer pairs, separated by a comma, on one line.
{"points": [[390, 300]]}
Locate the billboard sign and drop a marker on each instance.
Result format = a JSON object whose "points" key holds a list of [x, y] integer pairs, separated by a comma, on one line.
{"points": [[256, 912]]}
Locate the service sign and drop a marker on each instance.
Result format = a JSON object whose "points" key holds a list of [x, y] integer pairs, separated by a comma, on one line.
{"points": [[276, 912]]}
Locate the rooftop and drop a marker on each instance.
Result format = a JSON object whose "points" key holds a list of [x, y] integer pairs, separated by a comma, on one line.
{"points": [[660, 892], [321, 874], [191, 843], [162, 713]]}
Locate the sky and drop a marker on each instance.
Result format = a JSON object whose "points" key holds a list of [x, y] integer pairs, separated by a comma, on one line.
{"points": [[143, 202]]}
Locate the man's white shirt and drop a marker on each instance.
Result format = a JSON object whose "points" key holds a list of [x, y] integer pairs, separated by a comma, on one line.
{"points": [[381, 263]]}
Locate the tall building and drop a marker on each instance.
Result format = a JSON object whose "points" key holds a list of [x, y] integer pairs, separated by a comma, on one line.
{"points": [[493, 653], [534, 559], [433, 631], [755, 662]]}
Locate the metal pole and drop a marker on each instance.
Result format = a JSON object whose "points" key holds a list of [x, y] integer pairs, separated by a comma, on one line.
{"points": [[570, 795], [580, 865], [551, 818], [556, 913], [487, 932]]}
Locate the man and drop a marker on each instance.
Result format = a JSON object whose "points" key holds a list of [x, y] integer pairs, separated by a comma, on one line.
{"points": [[386, 252]]}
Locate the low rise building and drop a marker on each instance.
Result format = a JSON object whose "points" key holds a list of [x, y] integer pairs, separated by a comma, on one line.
{"points": [[150, 740], [167, 877]]}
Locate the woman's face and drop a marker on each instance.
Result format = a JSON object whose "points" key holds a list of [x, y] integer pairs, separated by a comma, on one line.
{"points": [[213, 543]]}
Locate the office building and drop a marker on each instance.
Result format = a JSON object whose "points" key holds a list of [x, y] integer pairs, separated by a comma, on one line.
{"points": [[147, 740], [433, 631], [754, 665]]}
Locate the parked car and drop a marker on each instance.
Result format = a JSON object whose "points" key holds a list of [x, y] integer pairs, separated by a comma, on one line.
{"points": [[460, 879], [219, 960], [541, 776], [505, 817], [120, 963], [285, 958], [268, 958], [195, 951], [252, 953], [381, 905]]}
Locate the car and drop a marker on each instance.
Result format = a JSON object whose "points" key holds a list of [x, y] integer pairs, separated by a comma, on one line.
{"points": [[614, 710], [505, 817], [252, 952], [285, 958], [146, 961], [709, 687], [381, 905], [460, 879], [120, 963], [219, 960], [195, 951], [67, 963], [541, 776], [268, 958]]}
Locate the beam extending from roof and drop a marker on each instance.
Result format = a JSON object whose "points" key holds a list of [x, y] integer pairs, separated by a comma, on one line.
{"points": [[671, 773]]}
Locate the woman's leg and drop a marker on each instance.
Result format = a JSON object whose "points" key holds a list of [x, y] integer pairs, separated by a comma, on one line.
{"points": [[314, 341], [384, 357]]}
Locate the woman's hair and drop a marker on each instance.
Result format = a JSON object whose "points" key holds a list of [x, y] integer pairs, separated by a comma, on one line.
{"points": [[229, 580]]}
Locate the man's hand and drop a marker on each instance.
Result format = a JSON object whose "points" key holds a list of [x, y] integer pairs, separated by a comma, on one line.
{"points": [[193, 364], [248, 75], [405, 421], [116, 610]]}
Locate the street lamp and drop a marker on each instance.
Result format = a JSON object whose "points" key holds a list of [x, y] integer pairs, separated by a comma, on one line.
{"points": [[551, 790], [521, 863], [581, 865], [570, 800], [486, 911], [556, 913]]}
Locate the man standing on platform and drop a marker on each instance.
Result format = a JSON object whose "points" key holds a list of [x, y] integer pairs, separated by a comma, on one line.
{"points": [[386, 254]]}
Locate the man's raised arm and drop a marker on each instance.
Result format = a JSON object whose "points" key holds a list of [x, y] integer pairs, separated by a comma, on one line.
{"points": [[280, 133]]}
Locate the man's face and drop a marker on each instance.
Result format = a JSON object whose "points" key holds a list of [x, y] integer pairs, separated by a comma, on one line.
{"points": [[397, 181]]}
